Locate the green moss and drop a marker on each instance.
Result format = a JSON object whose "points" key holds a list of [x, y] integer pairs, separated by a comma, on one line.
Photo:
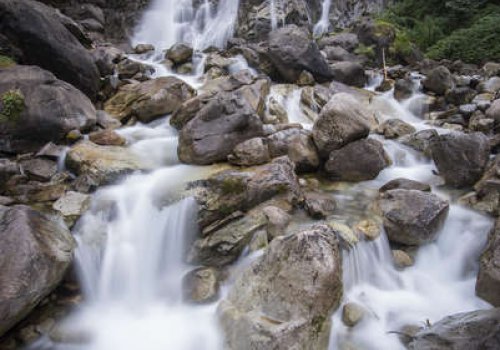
{"points": [[6, 61], [233, 185], [318, 323], [364, 50], [11, 106], [383, 28]]}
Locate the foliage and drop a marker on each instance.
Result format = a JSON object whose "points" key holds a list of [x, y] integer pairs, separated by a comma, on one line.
{"points": [[11, 106], [364, 50], [446, 28], [6, 61], [472, 44]]}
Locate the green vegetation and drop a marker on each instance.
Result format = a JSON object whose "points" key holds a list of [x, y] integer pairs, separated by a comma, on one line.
{"points": [[6, 61], [11, 106], [364, 50], [233, 185], [453, 29]]}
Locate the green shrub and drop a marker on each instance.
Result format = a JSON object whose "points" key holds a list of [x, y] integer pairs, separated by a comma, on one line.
{"points": [[11, 106], [476, 44], [364, 50]]}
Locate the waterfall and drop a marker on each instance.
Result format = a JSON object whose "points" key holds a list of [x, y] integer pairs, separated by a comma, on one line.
{"points": [[324, 23], [167, 22]]}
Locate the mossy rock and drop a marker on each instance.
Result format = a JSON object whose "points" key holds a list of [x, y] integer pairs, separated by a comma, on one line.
{"points": [[6, 62], [11, 106]]}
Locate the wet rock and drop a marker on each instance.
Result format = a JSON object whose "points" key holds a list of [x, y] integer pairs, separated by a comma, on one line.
{"points": [[251, 152], [130, 69], [188, 110], [302, 151], [439, 80], [352, 314], [412, 217], [106, 58], [369, 229], [48, 109], [24, 22], [420, 141], [292, 51], [107, 138], [180, 53], [143, 48], [460, 158], [342, 120], [201, 285], [39, 169], [348, 41], [395, 128], [403, 89], [72, 205], [305, 79], [401, 259], [104, 164], [483, 101], [350, 73], [279, 142], [319, 205], [51, 151], [460, 95], [405, 184], [494, 111], [220, 125], [358, 161], [492, 85], [35, 252], [477, 330], [230, 191], [277, 221], [149, 100], [8, 169], [488, 279], [285, 299], [347, 237]]}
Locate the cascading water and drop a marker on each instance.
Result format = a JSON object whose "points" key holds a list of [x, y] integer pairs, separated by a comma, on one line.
{"points": [[324, 23]]}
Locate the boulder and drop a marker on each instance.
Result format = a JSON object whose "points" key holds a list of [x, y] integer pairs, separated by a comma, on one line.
{"points": [[395, 128], [302, 151], [348, 41], [35, 252], [149, 100], [412, 217], [36, 36], [47, 109], [285, 299], [439, 80], [277, 221], [403, 89], [358, 161], [231, 191], [107, 138], [342, 120], [319, 205], [405, 184], [352, 314], [292, 51], [476, 330], [219, 126], [420, 141], [401, 259], [179, 53], [103, 164], [488, 279], [493, 111], [460, 158], [39, 169], [337, 53], [349, 73], [201, 285], [251, 152]]}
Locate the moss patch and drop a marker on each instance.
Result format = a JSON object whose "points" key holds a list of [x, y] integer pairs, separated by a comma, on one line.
{"points": [[6, 61], [11, 106]]}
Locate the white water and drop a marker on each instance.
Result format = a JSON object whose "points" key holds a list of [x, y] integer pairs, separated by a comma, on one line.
{"points": [[324, 23], [168, 22]]}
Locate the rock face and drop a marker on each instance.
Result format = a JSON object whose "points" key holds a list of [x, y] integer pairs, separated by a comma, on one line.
{"points": [[342, 120], [358, 161], [50, 108], [460, 158], [350, 73], [103, 164], [35, 252], [488, 280], [251, 152], [285, 299], [224, 122], [292, 51], [201, 285], [35, 35], [150, 99], [476, 330], [412, 217]]}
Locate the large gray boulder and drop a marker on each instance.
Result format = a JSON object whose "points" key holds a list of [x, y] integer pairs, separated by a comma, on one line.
{"points": [[342, 120], [439, 80], [291, 50], [149, 100], [477, 330], [49, 109], [358, 161], [33, 34], [35, 251], [350, 73], [217, 128], [412, 217], [488, 279], [460, 158], [285, 299]]}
